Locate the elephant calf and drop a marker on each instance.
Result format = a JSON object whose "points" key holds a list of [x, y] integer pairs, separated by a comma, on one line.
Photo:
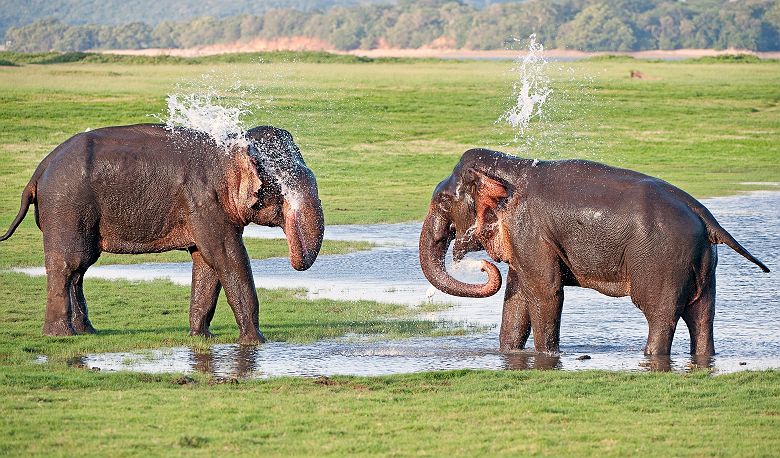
{"points": [[147, 189], [577, 223]]}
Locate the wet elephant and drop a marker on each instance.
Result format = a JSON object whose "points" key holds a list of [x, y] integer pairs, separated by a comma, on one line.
{"points": [[146, 189], [577, 223]]}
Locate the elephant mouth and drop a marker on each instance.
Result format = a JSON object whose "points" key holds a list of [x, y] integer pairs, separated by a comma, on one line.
{"points": [[459, 251], [467, 243]]}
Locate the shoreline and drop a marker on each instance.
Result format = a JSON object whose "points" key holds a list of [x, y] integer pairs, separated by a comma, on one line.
{"points": [[455, 54]]}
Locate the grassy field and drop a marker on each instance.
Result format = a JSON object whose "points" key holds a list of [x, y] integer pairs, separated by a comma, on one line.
{"points": [[379, 136]]}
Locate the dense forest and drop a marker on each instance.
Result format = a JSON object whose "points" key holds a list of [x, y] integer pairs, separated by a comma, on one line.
{"points": [[588, 25], [15, 13]]}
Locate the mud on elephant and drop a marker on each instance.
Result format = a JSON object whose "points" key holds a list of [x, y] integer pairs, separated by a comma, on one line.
{"points": [[147, 188], [577, 223]]}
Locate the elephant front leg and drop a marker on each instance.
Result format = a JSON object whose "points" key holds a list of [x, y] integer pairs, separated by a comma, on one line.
{"points": [[540, 286], [516, 318], [205, 292], [225, 253], [546, 319]]}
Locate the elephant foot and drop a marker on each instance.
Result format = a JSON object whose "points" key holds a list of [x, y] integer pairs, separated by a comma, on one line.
{"points": [[58, 329], [205, 333], [511, 346], [255, 338], [84, 328]]}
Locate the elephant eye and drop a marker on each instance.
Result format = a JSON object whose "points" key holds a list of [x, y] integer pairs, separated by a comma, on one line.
{"points": [[260, 194]]}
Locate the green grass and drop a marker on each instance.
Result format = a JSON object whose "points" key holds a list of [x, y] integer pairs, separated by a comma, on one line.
{"points": [[52, 409], [65, 412], [26, 250], [379, 136], [388, 132]]}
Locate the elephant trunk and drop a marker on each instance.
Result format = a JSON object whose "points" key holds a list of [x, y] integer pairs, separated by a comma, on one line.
{"points": [[435, 239], [304, 224]]}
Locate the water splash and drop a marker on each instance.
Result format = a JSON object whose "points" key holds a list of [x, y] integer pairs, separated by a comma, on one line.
{"points": [[219, 105], [531, 89], [208, 105], [546, 112]]}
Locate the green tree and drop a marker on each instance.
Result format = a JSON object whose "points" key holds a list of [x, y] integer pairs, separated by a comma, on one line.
{"points": [[596, 29]]}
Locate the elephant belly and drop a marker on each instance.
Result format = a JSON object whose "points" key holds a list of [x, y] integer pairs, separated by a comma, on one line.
{"points": [[602, 271], [609, 288], [177, 240], [133, 237]]}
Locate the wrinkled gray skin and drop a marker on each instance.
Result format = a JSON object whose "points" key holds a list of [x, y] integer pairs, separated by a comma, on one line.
{"points": [[147, 189], [577, 223]]}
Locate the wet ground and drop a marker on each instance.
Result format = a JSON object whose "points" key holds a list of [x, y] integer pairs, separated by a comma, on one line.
{"points": [[610, 331]]}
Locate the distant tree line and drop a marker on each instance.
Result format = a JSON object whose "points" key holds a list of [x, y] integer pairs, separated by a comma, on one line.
{"points": [[15, 13], [605, 25]]}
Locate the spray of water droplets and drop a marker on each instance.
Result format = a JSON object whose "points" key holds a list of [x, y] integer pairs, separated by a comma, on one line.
{"points": [[209, 105], [220, 105], [530, 90], [545, 113]]}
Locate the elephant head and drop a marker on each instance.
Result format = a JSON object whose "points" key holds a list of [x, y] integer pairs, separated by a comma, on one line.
{"points": [[467, 207], [287, 197]]}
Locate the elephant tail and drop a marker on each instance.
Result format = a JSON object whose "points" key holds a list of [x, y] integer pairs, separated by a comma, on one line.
{"points": [[29, 196], [719, 235], [716, 234]]}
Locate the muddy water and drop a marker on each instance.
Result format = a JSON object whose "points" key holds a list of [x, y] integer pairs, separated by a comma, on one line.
{"points": [[611, 331]]}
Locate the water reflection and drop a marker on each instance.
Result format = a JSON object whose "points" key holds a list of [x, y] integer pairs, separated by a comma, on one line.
{"points": [[524, 360], [338, 357], [231, 362]]}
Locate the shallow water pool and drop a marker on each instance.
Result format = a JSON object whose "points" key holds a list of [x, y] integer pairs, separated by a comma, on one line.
{"points": [[610, 331]]}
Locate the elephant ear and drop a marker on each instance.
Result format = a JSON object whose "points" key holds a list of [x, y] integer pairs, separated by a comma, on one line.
{"points": [[488, 195], [243, 186]]}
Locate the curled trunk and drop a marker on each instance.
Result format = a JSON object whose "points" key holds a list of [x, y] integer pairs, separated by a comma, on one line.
{"points": [[435, 239]]}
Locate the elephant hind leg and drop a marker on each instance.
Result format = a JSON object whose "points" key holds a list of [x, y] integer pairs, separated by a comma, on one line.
{"points": [[659, 336], [79, 314], [68, 252], [662, 313], [699, 316], [62, 305], [58, 303]]}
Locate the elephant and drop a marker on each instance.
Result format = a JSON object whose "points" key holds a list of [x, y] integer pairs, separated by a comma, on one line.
{"points": [[576, 223], [151, 188]]}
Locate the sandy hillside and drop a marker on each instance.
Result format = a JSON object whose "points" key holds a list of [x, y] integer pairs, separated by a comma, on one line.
{"points": [[436, 51]]}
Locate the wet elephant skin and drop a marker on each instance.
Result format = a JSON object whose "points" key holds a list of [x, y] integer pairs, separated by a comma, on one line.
{"points": [[577, 223], [147, 188]]}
